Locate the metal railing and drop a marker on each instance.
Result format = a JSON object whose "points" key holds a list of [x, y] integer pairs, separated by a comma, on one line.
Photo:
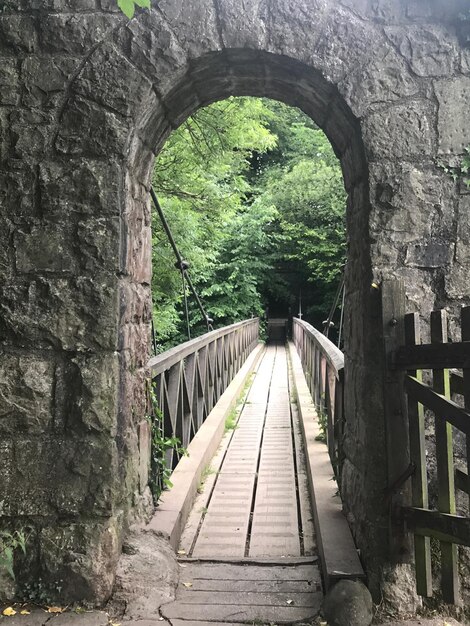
{"points": [[189, 379], [323, 365]]}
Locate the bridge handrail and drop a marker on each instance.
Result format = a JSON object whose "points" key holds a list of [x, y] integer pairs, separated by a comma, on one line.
{"points": [[323, 365], [167, 359], [188, 381], [332, 353]]}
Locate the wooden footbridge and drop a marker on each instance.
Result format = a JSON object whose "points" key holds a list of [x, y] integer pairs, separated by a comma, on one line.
{"points": [[255, 511]]}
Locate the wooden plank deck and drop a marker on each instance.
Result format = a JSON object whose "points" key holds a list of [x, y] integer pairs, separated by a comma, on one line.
{"points": [[248, 550]]}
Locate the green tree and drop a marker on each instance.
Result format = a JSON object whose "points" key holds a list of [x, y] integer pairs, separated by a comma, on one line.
{"points": [[254, 196]]}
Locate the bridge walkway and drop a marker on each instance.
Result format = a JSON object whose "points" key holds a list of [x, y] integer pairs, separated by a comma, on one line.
{"points": [[248, 551]]}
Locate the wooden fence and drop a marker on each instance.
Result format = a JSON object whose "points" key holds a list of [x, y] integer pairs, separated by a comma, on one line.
{"points": [[438, 394], [189, 379], [323, 365]]}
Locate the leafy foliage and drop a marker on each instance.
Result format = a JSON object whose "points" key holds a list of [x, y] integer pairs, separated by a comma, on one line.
{"points": [[9, 542], [128, 6], [253, 194], [460, 171], [161, 445]]}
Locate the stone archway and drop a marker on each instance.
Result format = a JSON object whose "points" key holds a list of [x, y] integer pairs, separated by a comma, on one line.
{"points": [[91, 98]]}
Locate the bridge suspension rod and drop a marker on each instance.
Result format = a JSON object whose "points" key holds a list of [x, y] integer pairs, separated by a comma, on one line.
{"points": [[180, 263]]}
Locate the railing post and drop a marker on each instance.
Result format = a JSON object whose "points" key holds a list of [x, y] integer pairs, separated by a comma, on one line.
{"points": [[419, 480], [445, 466], [396, 420]]}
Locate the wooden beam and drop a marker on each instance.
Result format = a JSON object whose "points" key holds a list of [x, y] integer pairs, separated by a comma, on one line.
{"points": [[419, 480], [445, 465], [395, 415], [461, 481], [444, 408], [447, 528], [432, 356], [456, 383], [465, 326]]}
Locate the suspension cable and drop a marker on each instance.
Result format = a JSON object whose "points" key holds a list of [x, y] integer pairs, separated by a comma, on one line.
{"points": [[185, 298], [181, 265]]}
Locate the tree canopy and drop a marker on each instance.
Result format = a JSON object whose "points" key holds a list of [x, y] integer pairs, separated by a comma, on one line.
{"points": [[254, 196]]}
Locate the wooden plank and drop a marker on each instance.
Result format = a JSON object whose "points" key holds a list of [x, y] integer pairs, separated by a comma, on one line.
{"points": [[432, 356], [228, 586], [419, 481], [461, 481], [444, 408], [222, 571], [253, 597], [395, 413], [465, 325], [445, 527], [250, 614], [445, 466], [456, 383], [336, 546]]}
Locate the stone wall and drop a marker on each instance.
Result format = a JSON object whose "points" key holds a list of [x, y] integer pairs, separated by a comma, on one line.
{"points": [[86, 99]]}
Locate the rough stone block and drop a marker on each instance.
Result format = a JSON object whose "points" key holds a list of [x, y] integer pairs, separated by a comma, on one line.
{"points": [[17, 191], [195, 25], [98, 244], [293, 27], [18, 34], [453, 96], [90, 129], [346, 43], [410, 203], [248, 28], [62, 477], [385, 79], [401, 131], [76, 34], [152, 47], [135, 303], [419, 295], [45, 78], [84, 556], [26, 394], [9, 83], [430, 50], [429, 255], [82, 185], [47, 247], [87, 393], [110, 79], [456, 282], [30, 132], [66, 313], [145, 446]]}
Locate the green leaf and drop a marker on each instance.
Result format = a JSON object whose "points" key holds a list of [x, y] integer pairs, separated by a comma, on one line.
{"points": [[145, 4], [127, 7]]}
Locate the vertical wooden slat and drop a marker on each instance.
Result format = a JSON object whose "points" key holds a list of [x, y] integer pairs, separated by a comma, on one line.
{"points": [[445, 467], [422, 545], [465, 323], [396, 420]]}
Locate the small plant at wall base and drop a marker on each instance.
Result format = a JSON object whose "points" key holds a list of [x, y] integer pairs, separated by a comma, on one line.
{"points": [[160, 470], [461, 171], [9, 542]]}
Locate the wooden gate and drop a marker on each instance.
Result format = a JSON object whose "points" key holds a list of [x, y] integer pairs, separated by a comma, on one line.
{"points": [[436, 380]]}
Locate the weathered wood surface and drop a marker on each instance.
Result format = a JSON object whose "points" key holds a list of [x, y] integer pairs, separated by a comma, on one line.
{"points": [[445, 527], [246, 593], [443, 407], [419, 480], [433, 356], [252, 510]]}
